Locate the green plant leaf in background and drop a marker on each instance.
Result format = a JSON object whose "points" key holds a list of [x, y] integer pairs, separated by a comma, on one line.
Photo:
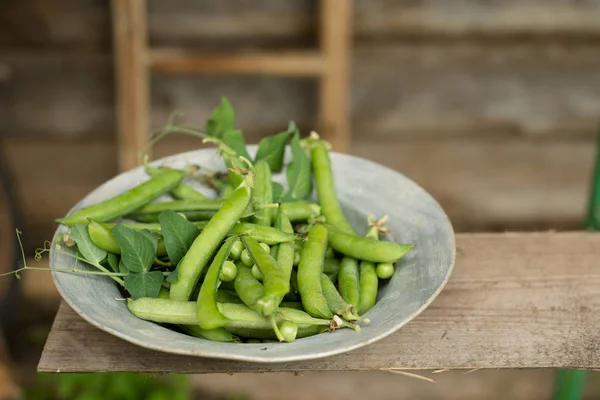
{"points": [[178, 233], [272, 149], [144, 284], [298, 172], [137, 250], [86, 247], [278, 192], [234, 139], [222, 119]]}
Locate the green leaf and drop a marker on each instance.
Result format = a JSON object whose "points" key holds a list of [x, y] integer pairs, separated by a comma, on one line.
{"points": [[113, 261], [153, 236], [222, 119], [173, 276], [278, 192], [122, 268], [137, 250], [271, 149], [87, 248], [298, 172], [144, 284], [234, 139], [178, 233]]}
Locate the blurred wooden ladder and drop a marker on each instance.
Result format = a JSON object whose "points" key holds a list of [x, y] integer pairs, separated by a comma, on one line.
{"points": [[135, 60]]}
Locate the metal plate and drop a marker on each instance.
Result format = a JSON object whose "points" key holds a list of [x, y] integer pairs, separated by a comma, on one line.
{"points": [[363, 187]]}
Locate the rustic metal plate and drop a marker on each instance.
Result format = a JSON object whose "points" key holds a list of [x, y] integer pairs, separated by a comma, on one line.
{"points": [[363, 187]]}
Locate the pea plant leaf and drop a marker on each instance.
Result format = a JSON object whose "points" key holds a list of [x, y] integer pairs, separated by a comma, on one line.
{"points": [[278, 192], [145, 284], [152, 236], [122, 268], [178, 233], [234, 139], [173, 276], [222, 119], [271, 149], [298, 172], [113, 261], [137, 250], [87, 248]]}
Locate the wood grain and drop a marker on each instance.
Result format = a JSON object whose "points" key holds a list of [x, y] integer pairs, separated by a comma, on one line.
{"points": [[515, 300], [86, 24], [132, 80], [468, 90], [291, 64], [334, 94], [482, 185]]}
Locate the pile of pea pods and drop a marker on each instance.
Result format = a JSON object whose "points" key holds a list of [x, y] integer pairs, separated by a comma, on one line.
{"points": [[258, 263]]}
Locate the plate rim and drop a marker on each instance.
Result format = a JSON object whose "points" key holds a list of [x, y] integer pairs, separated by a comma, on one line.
{"points": [[258, 359]]}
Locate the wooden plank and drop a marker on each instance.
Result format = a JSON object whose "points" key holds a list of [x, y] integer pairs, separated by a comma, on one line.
{"points": [[292, 64], [336, 33], [482, 185], [133, 92], [515, 300], [86, 24], [535, 91]]}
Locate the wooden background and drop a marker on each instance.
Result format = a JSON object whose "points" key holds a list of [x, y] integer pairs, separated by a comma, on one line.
{"points": [[503, 96]]}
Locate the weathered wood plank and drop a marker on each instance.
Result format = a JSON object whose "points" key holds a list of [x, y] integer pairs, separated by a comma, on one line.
{"points": [[132, 80], [482, 185], [86, 23], [401, 91], [335, 43], [515, 300]]}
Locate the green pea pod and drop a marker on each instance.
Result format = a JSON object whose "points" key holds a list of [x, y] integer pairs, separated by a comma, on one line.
{"points": [[247, 287], [285, 252], [309, 273], [164, 311], [182, 205], [349, 281], [330, 206], [209, 316], [337, 305], [216, 335], [369, 283], [302, 332], [331, 265], [367, 249], [262, 193], [192, 264], [102, 236], [275, 278], [300, 210], [189, 215], [127, 201], [227, 296], [183, 191]]}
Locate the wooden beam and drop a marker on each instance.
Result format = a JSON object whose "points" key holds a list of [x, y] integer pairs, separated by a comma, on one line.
{"points": [[294, 64], [334, 96], [514, 300], [130, 41]]}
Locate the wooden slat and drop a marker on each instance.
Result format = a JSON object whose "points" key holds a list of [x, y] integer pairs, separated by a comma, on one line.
{"points": [[482, 185], [293, 64], [515, 300], [334, 96], [477, 90], [85, 24], [133, 107]]}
